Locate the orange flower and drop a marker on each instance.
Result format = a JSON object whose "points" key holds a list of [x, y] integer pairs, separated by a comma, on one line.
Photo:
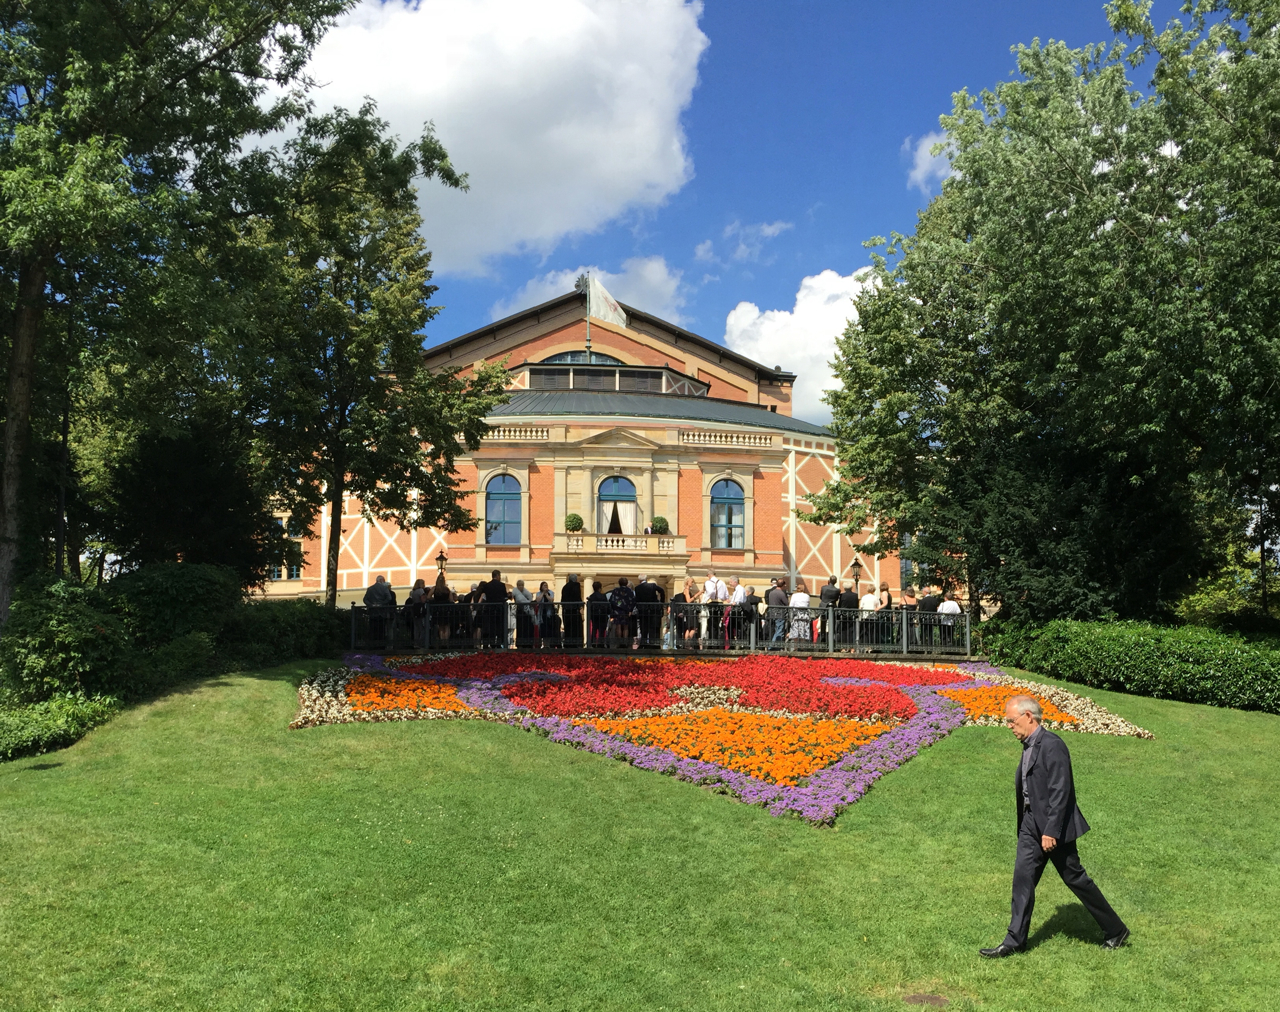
{"points": [[778, 749], [989, 701], [377, 692]]}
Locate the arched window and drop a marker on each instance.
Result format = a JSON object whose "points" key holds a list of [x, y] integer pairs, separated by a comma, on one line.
{"points": [[580, 358], [727, 513], [502, 511], [617, 498]]}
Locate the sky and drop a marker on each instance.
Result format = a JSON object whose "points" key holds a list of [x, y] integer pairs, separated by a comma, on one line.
{"points": [[717, 164]]}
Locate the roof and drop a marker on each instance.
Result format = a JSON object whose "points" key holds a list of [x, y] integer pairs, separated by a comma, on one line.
{"points": [[763, 372], [541, 403]]}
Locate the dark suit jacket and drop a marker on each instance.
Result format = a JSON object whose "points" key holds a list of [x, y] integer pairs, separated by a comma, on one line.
{"points": [[571, 593], [848, 600], [930, 603], [1052, 790], [829, 595], [649, 593], [494, 591]]}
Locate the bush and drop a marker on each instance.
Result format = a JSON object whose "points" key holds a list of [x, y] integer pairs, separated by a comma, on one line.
{"points": [[168, 600], [54, 723], [272, 632], [660, 525], [1186, 663], [62, 638], [572, 523]]}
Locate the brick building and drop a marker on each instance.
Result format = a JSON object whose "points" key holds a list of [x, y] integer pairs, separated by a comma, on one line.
{"points": [[652, 421]]}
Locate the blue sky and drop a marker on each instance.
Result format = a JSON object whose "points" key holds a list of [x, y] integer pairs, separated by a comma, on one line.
{"points": [[707, 159]]}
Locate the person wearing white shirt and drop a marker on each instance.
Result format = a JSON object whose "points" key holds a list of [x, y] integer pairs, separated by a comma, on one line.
{"points": [[950, 609], [801, 620], [735, 626], [714, 595], [737, 592]]}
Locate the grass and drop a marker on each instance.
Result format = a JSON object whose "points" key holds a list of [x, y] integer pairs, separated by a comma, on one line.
{"points": [[195, 854]]}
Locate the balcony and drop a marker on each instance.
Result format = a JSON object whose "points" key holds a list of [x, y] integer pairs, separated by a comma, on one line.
{"points": [[582, 543]]}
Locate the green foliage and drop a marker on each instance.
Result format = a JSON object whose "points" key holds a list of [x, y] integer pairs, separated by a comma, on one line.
{"points": [[171, 599], [572, 522], [194, 495], [350, 407], [1184, 663], [660, 525], [1060, 385], [268, 632], [54, 723], [62, 638]]}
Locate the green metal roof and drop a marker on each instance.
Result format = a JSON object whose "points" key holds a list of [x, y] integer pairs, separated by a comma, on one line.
{"points": [[538, 404]]}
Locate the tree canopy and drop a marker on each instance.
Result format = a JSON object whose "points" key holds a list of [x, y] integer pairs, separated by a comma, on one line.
{"points": [[1061, 390]]}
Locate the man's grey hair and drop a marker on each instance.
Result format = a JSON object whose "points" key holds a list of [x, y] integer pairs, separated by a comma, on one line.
{"points": [[733, 579], [644, 577], [1026, 704]]}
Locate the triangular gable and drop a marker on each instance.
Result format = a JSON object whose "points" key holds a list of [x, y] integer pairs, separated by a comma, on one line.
{"points": [[618, 437]]}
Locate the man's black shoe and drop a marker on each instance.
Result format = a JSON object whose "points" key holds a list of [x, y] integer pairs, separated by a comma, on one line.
{"points": [[1000, 951], [1118, 941]]}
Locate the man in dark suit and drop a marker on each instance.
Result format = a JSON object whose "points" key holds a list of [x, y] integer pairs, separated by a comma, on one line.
{"points": [[649, 600], [929, 630], [1049, 823], [571, 606], [827, 598], [494, 611]]}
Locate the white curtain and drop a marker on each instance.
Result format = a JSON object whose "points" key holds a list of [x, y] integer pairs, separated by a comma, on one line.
{"points": [[627, 517]]}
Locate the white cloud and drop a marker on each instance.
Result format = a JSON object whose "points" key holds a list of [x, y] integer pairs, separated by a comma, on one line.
{"points": [[704, 251], [802, 340], [927, 169], [646, 283], [566, 113], [751, 238]]}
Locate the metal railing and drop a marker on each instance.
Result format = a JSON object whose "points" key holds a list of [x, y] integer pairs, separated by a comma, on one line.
{"points": [[671, 627]]}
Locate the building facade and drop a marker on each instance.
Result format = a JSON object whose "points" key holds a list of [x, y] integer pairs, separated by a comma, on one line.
{"points": [[621, 427]]}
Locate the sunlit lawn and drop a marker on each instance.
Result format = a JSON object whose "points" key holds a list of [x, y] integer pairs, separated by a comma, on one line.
{"points": [[195, 854]]}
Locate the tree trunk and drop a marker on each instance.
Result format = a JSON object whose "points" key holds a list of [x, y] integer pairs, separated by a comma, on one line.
{"points": [[17, 424], [62, 492], [336, 498]]}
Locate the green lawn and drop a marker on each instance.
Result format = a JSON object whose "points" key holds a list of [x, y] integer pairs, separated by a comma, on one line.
{"points": [[195, 854]]}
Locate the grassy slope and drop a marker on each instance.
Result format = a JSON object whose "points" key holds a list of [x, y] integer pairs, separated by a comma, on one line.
{"points": [[194, 854]]}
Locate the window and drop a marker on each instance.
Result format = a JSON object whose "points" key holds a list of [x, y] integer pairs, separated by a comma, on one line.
{"points": [[548, 379], [595, 379], [633, 379], [580, 358], [502, 511], [617, 506], [727, 512], [292, 570]]}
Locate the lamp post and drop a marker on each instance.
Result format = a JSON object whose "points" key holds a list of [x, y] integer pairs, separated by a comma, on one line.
{"points": [[441, 559], [856, 566]]}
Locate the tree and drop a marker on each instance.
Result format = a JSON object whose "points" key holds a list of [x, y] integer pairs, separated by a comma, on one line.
{"points": [[348, 406], [1055, 388], [108, 112]]}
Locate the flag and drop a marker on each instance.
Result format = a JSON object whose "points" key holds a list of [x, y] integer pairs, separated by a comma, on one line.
{"points": [[603, 305]]}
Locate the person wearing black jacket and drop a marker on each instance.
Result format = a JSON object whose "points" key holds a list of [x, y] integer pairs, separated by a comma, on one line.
{"points": [[827, 598], [571, 609], [598, 614], [929, 630], [649, 598], [493, 611], [1049, 824]]}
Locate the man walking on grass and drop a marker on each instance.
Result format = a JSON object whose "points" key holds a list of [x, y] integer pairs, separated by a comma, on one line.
{"points": [[1049, 823]]}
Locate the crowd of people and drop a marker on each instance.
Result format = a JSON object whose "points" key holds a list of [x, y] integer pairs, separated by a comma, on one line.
{"points": [[711, 614]]}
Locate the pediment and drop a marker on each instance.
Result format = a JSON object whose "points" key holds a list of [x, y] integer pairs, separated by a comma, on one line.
{"points": [[619, 437]]}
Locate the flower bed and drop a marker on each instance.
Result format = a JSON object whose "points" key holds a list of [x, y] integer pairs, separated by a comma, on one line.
{"points": [[805, 737]]}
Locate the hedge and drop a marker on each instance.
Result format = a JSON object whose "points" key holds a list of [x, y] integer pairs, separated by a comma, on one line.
{"points": [[54, 723], [1186, 663]]}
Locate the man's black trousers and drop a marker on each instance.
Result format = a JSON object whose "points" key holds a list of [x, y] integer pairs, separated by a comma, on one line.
{"points": [[1029, 866]]}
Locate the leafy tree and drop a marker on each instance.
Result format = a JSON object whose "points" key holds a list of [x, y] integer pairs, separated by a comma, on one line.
{"points": [[193, 495], [1061, 385], [348, 406], [109, 115]]}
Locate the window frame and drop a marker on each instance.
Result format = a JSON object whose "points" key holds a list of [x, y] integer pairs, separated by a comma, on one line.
{"points": [[728, 516], [505, 496]]}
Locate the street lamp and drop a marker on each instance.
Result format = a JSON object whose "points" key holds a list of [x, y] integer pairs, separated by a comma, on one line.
{"points": [[441, 559], [856, 566]]}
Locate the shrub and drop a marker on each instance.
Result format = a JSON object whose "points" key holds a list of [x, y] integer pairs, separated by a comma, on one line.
{"points": [[62, 637], [271, 632], [660, 525], [165, 601], [1186, 663], [572, 523], [54, 723]]}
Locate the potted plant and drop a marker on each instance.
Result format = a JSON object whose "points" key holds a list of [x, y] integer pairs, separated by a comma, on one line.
{"points": [[572, 523], [660, 525]]}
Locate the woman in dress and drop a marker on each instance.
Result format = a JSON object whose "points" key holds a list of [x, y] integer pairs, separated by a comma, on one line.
{"points": [[524, 615], [548, 620], [911, 604], [884, 613], [684, 613], [801, 620], [441, 603]]}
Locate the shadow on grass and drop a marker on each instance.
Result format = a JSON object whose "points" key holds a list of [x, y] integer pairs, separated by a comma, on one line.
{"points": [[42, 766], [1070, 919]]}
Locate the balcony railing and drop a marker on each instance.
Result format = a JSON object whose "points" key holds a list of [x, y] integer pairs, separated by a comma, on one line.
{"points": [[663, 626], [749, 439], [582, 543]]}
